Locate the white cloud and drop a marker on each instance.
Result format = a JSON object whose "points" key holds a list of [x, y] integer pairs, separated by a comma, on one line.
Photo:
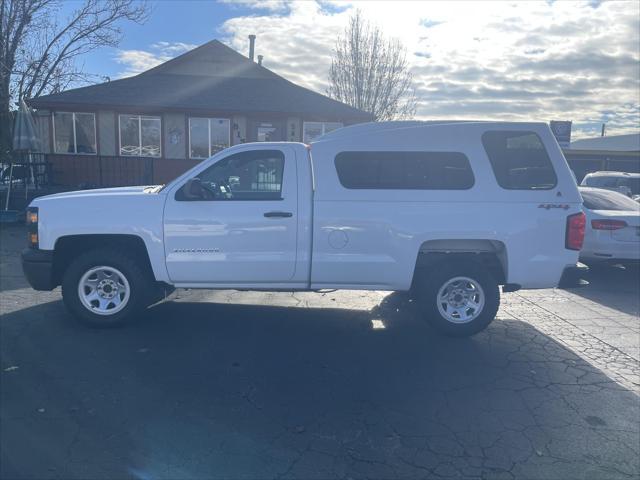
{"points": [[175, 48], [137, 61], [501, 60], [271, 5]]}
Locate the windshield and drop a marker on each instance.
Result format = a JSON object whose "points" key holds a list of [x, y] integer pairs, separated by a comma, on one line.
{"points": [[154, 189], [633, 183], [596, 199]]}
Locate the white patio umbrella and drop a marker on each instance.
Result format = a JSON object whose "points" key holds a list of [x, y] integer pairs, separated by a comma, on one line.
{"points": [[25, 140]]}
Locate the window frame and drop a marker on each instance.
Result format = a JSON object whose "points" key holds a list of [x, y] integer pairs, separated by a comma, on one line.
{"points": [[522, 133], [323, 127], [404, 152], [140, 118], [178, 196], [73, 123], [208, 135]]}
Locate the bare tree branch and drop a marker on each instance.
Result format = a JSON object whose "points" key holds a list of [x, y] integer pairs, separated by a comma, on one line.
{"points": [[38, 55], [371, 73]]}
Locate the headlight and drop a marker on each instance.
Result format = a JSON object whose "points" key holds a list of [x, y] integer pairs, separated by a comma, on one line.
{"points": [[32, 215], [32, 227]]}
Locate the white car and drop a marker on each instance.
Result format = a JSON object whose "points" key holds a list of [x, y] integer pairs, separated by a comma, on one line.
{"points": [[612, 233], [450, 211], [623, 182]]}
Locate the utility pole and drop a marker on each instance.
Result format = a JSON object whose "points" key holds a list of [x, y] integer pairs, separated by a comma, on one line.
{"points": [[603, 128]]}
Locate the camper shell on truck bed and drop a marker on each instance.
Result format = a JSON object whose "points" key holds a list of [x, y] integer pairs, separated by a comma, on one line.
{"points": [[449, 211]]}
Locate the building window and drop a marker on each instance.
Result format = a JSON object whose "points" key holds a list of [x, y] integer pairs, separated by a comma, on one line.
{"points": [[74, 132], [519, 160], [313, 130], [404, 170], [208, 136], [140, 136]]}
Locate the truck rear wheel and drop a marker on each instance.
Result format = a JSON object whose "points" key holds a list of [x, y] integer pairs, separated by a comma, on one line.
{"points": [[460, 299], [105, 288]]}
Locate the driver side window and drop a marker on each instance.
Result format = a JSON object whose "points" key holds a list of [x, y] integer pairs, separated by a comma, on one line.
{"points": [[251, 175]]}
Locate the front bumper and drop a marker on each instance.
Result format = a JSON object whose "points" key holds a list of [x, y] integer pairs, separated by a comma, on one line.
{"points": [[573, 276], [37, 266]]}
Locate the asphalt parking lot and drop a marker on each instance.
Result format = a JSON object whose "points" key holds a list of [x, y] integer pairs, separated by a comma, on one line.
{"points": [[338, 385]]}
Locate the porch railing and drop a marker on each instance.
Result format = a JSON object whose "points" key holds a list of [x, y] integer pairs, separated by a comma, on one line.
{"points": [[25, 169], [93, 171]]}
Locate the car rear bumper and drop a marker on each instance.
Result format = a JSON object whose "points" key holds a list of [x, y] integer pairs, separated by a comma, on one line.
{"points": [[37, 266], [573, 276], [627, 253], [610, 249]]}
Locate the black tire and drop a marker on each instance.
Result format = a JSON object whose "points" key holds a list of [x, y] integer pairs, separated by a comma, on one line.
{"points": [[139, 287], [430, 283]]}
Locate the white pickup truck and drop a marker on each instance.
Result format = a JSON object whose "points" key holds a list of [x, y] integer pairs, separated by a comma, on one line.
{"points": [[450, 211]]}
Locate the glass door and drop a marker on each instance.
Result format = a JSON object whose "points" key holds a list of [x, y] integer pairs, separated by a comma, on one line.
{"points": [[266, 131]]}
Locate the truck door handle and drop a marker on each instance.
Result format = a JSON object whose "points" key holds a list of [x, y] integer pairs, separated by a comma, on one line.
{"points": [[278, 214]]}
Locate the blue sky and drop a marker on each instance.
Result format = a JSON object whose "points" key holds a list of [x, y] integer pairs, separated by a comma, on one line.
{"points": [[504, 60], [186, 21]]}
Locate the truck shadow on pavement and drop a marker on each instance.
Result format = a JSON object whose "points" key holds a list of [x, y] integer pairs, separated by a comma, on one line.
{"points": [[12, 241], [614, 287], [201, 390]]}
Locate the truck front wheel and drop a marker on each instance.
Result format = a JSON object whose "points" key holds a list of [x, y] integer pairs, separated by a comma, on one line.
{"points": [[104, 288], [459, 299]]}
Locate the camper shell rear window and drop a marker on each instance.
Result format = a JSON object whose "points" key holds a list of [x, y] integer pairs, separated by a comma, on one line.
{"points": [[385, 170], [519, 160]]}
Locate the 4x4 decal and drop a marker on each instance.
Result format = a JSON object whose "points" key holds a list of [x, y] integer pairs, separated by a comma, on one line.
{"points": [[548, 206]]}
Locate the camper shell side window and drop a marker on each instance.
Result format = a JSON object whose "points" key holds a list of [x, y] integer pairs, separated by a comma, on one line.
{"points": [[386, 170], [519, 160]]}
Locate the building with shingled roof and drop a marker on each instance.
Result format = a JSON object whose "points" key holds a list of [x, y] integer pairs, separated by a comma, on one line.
{"points": [[151, 127]]}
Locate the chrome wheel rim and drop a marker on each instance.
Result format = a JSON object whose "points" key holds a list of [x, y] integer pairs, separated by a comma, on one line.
{"points": [[460, 300], [104, 290]]}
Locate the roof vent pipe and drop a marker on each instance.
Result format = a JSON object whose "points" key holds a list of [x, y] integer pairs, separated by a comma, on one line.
{"points": [[252, 46], [260, 57]]}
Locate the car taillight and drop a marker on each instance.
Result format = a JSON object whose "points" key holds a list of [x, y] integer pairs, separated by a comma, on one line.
{"points": [[575, 231], [608, 224]]}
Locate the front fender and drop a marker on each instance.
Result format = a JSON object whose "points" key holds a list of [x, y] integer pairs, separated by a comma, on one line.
{"points": [[139, 215]]}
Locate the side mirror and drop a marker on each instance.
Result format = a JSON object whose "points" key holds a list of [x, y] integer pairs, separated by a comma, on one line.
{"points": [[192, 189]]}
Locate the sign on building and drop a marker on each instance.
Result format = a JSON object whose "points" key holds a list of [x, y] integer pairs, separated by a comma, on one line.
{"points": [[562, 132]]}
